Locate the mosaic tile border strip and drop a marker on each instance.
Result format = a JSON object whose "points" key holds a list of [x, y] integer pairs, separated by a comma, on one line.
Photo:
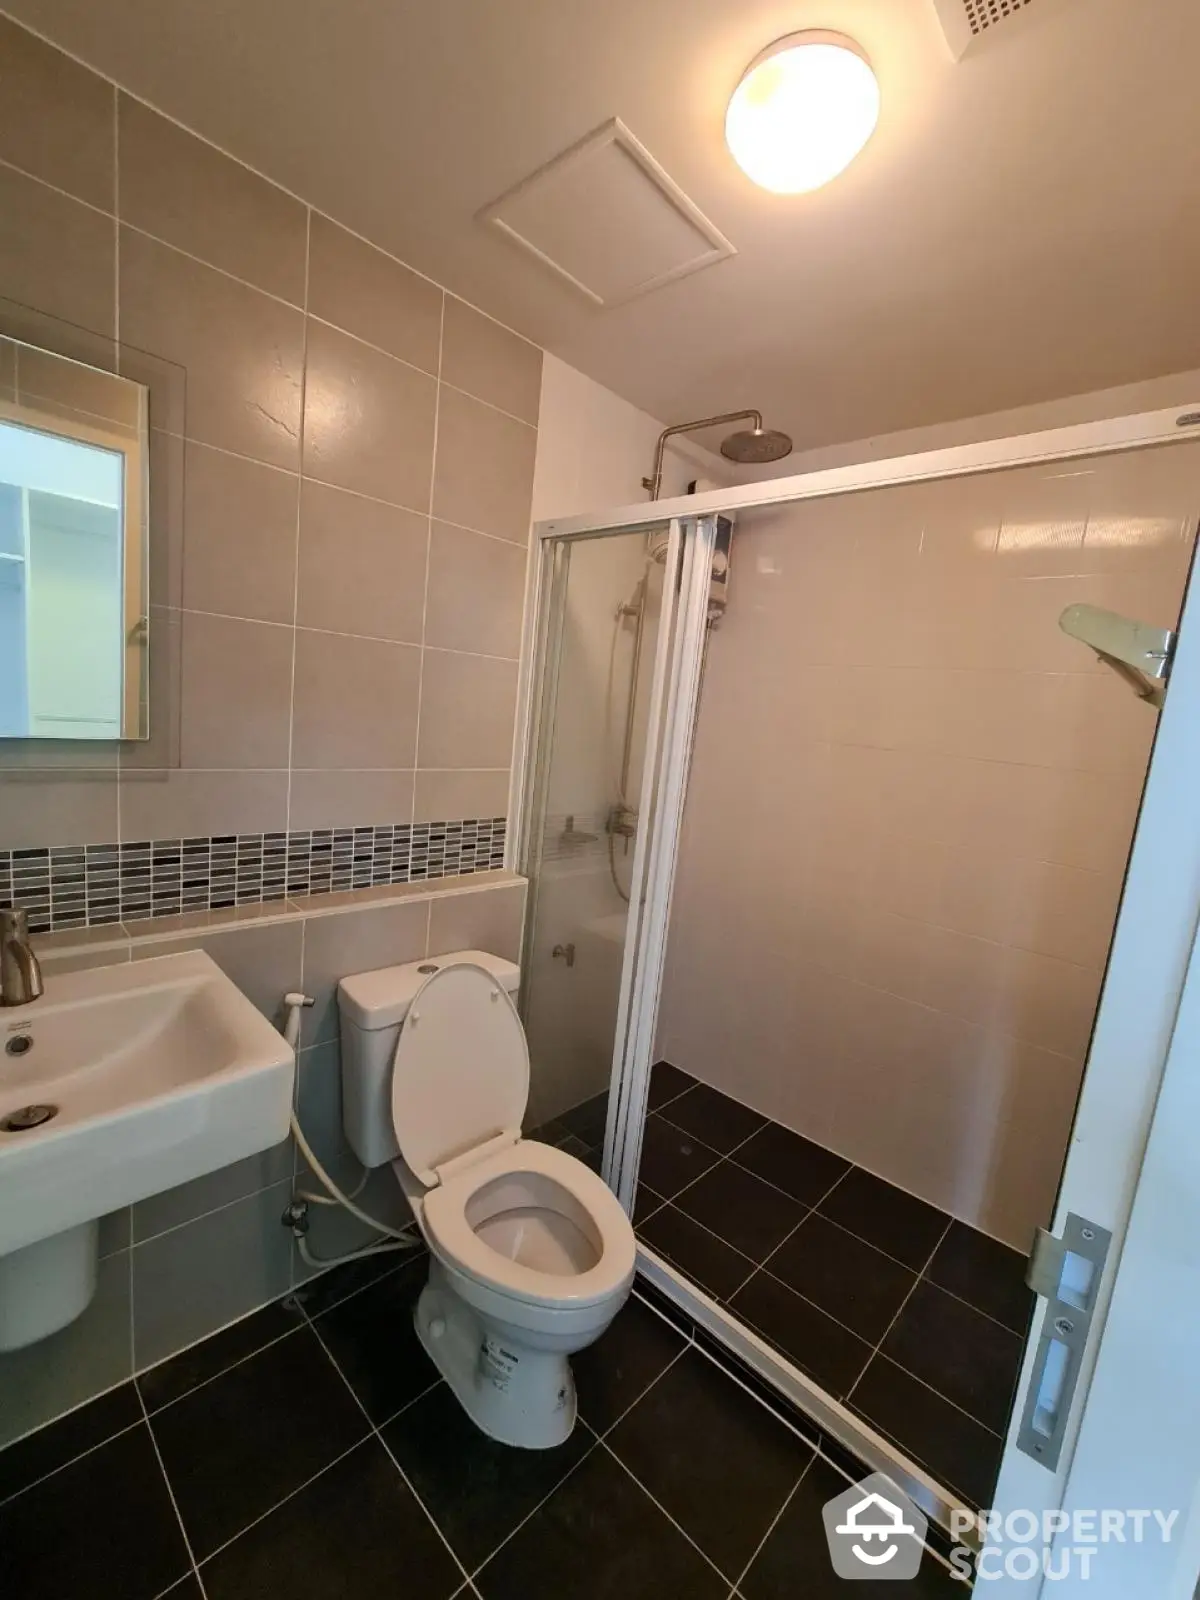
{"points": [[79, 886]]}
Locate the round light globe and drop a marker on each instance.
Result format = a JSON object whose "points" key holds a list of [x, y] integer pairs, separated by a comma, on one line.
{"points": [[802, 112]]}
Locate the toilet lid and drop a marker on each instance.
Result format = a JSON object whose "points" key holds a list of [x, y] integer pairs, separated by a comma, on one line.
{"points": [[461, 1070]]}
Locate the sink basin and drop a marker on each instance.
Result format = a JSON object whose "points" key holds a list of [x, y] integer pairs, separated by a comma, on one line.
{"points": [[154, 1072]]}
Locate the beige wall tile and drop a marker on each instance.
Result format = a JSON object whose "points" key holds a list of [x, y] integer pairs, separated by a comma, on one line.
{"points": [[355, 941], [355, 702], [362, 565], [484, 476], [80, 389], [8, 369], [182, 190], [188, 805], [476, 592], [56, 117], [242, 351], [161, 747], [468, 704], [346, 798], [264, 961], [368, 293], [489, 362], [236, 692], [490, 920], [455, 796], [368, 420], [63, 807], [56, 254], [239, 554]]}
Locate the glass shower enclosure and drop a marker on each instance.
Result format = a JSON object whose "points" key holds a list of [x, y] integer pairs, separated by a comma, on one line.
{"points": [[899, 630]]}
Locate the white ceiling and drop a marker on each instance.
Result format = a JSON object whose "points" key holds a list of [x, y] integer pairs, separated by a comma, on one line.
{"points": [[1024, 224]]}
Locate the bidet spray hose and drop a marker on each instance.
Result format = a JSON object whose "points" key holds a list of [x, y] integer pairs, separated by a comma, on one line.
{"points": [[295, 1004]]}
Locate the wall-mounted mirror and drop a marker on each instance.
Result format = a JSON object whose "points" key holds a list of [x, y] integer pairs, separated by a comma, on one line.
{"points": [[74, 577]]}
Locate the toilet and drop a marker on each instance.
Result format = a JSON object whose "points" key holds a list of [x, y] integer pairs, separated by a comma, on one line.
{"points": [[531, 1254]]}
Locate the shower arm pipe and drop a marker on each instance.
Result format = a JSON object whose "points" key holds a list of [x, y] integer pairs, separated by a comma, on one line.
{"points": [[654, 484]]}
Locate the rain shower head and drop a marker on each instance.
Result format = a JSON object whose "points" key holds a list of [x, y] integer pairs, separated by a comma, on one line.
{"points": [[756, 445]]}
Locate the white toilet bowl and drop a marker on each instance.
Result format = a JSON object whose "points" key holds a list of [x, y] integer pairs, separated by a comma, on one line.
{"points": [[532, 1254]]}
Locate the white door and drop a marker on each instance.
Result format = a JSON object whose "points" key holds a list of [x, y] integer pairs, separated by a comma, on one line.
{"points": [[1129, 1438]]}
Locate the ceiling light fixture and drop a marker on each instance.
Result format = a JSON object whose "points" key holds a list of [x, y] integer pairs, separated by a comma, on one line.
{"points": [[802, 112]]}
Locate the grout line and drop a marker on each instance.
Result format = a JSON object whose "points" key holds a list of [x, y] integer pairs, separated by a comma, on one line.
{"points": [[63, 1465], [570, 1473], [375, 1433], [212, 1378], [604, 1445], [437, 412], [291, 1495], [758, 1549], [296, 541], [187, 1543], [654, 1382], [338, 488]]}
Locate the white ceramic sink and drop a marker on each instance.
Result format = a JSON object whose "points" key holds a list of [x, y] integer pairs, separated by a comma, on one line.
{"points": [[160, 1071]]}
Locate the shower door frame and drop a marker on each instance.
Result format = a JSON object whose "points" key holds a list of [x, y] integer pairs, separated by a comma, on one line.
{"points": [[1149, 961]]}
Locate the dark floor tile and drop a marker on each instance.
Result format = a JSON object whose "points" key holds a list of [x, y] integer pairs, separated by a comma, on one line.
{"points": [[667, 1083], [355, 1530], [956, 1350], [671, 1159], [599, 1537], [476, 1490], [587, 1121], [721, 1123], [795, 1562], [959, 1451], [889, 1218], [646, 1202], [803, 1169], [853, 1281], [666, 1307], [715, 1266], [799, 1424], [196, 1365], [103, 1528], [234, 1448], [339, 1283], [58, 1442], [551, 1132], [713, 1458], [623, 1363], [186, 1589], [372, 1339], [818, 1345], [985, 1273], [749, 1214]]}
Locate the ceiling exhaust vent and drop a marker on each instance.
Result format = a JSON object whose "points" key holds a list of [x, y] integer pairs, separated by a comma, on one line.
{"points": [[608, 220], [968, 24]]}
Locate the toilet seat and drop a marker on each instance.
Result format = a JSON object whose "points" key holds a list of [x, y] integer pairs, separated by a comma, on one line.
{"points": [[454, 1238]]}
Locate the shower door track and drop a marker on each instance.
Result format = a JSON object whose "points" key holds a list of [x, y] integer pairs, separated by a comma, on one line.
{"points": [[693, 522]]}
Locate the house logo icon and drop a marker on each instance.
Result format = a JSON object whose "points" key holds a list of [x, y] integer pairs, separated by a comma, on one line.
{"points": [[874, 1531]]}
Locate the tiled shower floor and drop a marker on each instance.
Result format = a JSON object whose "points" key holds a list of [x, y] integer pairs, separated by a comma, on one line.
{"points": [[912, 1319], [310, 1452]]}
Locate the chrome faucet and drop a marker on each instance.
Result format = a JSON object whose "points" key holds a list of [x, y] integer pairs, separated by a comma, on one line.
{"points": [[20, 970]]}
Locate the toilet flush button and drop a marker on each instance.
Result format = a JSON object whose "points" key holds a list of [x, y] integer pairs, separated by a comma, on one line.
{"points": [[437, 1327]]}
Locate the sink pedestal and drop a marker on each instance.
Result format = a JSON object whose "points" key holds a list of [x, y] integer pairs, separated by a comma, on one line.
{"points": [[46, 1285]]}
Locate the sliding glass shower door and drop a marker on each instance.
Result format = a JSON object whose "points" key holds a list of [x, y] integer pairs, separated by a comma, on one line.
{"points": [[607, 612]]}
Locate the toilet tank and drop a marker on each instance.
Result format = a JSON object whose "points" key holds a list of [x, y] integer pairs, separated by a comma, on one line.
{"points": [[371, 1008]]}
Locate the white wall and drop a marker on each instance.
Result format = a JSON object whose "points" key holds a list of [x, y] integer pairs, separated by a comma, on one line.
{"points": [[911, 803]]}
